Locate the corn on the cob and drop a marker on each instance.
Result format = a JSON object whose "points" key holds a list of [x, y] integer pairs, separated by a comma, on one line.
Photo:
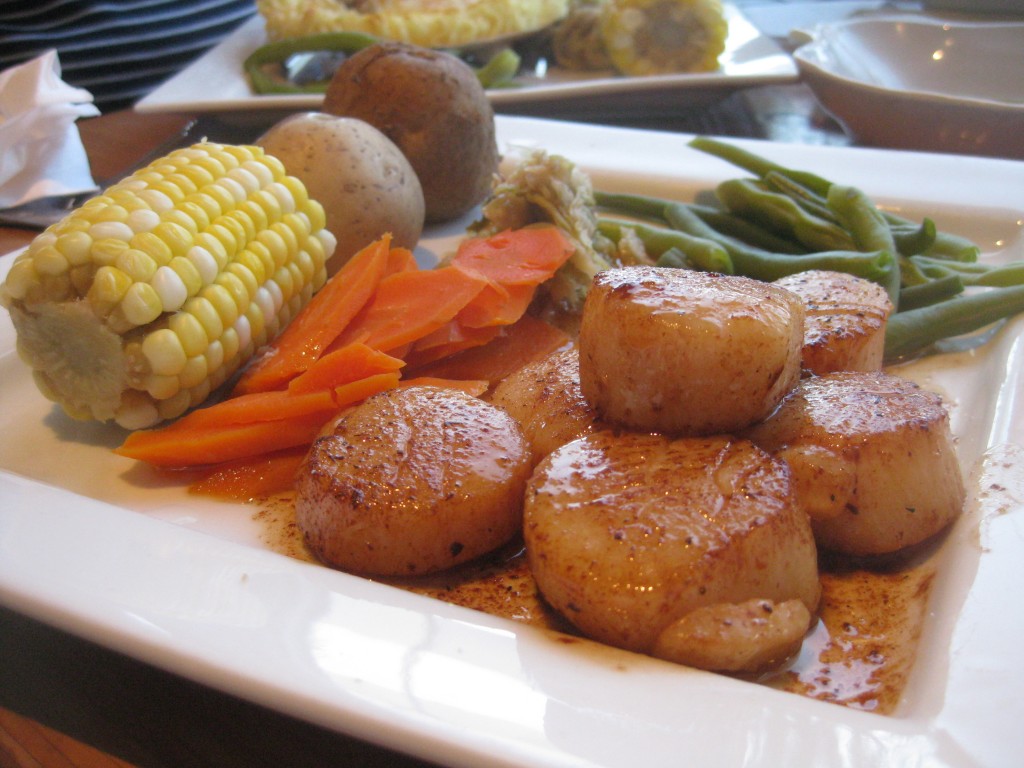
{"points": [[137, 305], [650, 37]]}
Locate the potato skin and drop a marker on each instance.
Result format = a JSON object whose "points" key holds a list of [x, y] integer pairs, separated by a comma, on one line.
{"points": [[364, 182], [432, 106]]}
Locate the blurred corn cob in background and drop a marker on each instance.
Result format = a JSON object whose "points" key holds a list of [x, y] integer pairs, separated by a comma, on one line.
{"points": [[137, 305], [642, 37]]}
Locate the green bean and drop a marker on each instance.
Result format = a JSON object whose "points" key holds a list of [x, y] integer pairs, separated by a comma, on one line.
{"points": [[499, 69], [780, 213], [945, 245], [757, 165], [878, 266], [912, 240], [917, 329], [698, 253], [734, 226], [277, 52], [810, 201], [641, 206], [931, 292], [972, 274]]}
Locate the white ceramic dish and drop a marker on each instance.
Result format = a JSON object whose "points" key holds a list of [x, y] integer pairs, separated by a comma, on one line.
{"points": [[216, 82], [90, 543], [922, 83]]}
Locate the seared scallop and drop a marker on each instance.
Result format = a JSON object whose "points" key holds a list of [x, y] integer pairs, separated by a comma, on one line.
{"points": [[546, 399], [873, 458], [684, 352], [845, 319], [628, 533], [412, 481]]}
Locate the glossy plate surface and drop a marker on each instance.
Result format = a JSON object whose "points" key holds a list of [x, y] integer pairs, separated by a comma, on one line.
{"points": [[217, 83], [922, 83], [91, 543]]}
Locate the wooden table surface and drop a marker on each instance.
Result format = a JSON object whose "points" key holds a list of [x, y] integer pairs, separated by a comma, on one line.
{"points": [[65, 702]]}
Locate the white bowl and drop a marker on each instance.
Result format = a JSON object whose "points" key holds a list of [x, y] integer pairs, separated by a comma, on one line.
{"points": [[920, 83]]}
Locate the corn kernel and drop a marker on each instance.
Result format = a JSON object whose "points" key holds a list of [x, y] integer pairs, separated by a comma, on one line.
{"points": [[142, 220], [206, 313], [169, 286], [249, 282], [75, 246], [111, 230], [109, 286], [141, 304], [254, 267], [156, 200], [222, 196], [229, 340], [207, 203], [161, 387], [297, 190], [256, 215], [275, 245], [198, 175], [246, 229], [50, 261], [226, 237], [152, 244], [136, 264], [236, 288], [194, 372], [204, 263], [263, 174], [243, 328], [164, 352], [172, 407], [20, 278], [214, 355], [180, 218], [214, 247], [200, 219], [190, 332], [107, 251], [222, 300], [111, 213], [283, 195]]}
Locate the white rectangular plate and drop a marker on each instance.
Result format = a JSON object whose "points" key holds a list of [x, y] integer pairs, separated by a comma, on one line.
{"points": [[94, 545], [216, 82]]}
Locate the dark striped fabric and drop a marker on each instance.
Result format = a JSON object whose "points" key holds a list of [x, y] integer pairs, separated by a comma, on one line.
{"points": [[118, 50]]}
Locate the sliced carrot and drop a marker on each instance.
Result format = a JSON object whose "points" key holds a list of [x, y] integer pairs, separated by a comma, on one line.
{"points": [[491, 307], [213, 446], [409, 305], [527, 340], [326, 315], [342, 366], [475, 387], [450, 339], [252, 478], [227, 431], [526, 256], [401, 260]]}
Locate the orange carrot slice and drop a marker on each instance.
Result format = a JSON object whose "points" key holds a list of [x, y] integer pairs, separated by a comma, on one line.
{"points": [[527, 340], [342, 366], [526, 256], [248, 425], [326, 315], [409, 305]]}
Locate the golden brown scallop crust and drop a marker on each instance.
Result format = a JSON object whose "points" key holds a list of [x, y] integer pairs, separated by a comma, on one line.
{"points": [[413, 480]]}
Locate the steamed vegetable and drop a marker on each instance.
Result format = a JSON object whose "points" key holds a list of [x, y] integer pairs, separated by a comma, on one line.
{"points": [[137, 305], [350, 342], [785, 221]]}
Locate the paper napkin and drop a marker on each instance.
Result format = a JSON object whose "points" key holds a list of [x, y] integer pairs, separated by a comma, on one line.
{"points": [[41, 151]]}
